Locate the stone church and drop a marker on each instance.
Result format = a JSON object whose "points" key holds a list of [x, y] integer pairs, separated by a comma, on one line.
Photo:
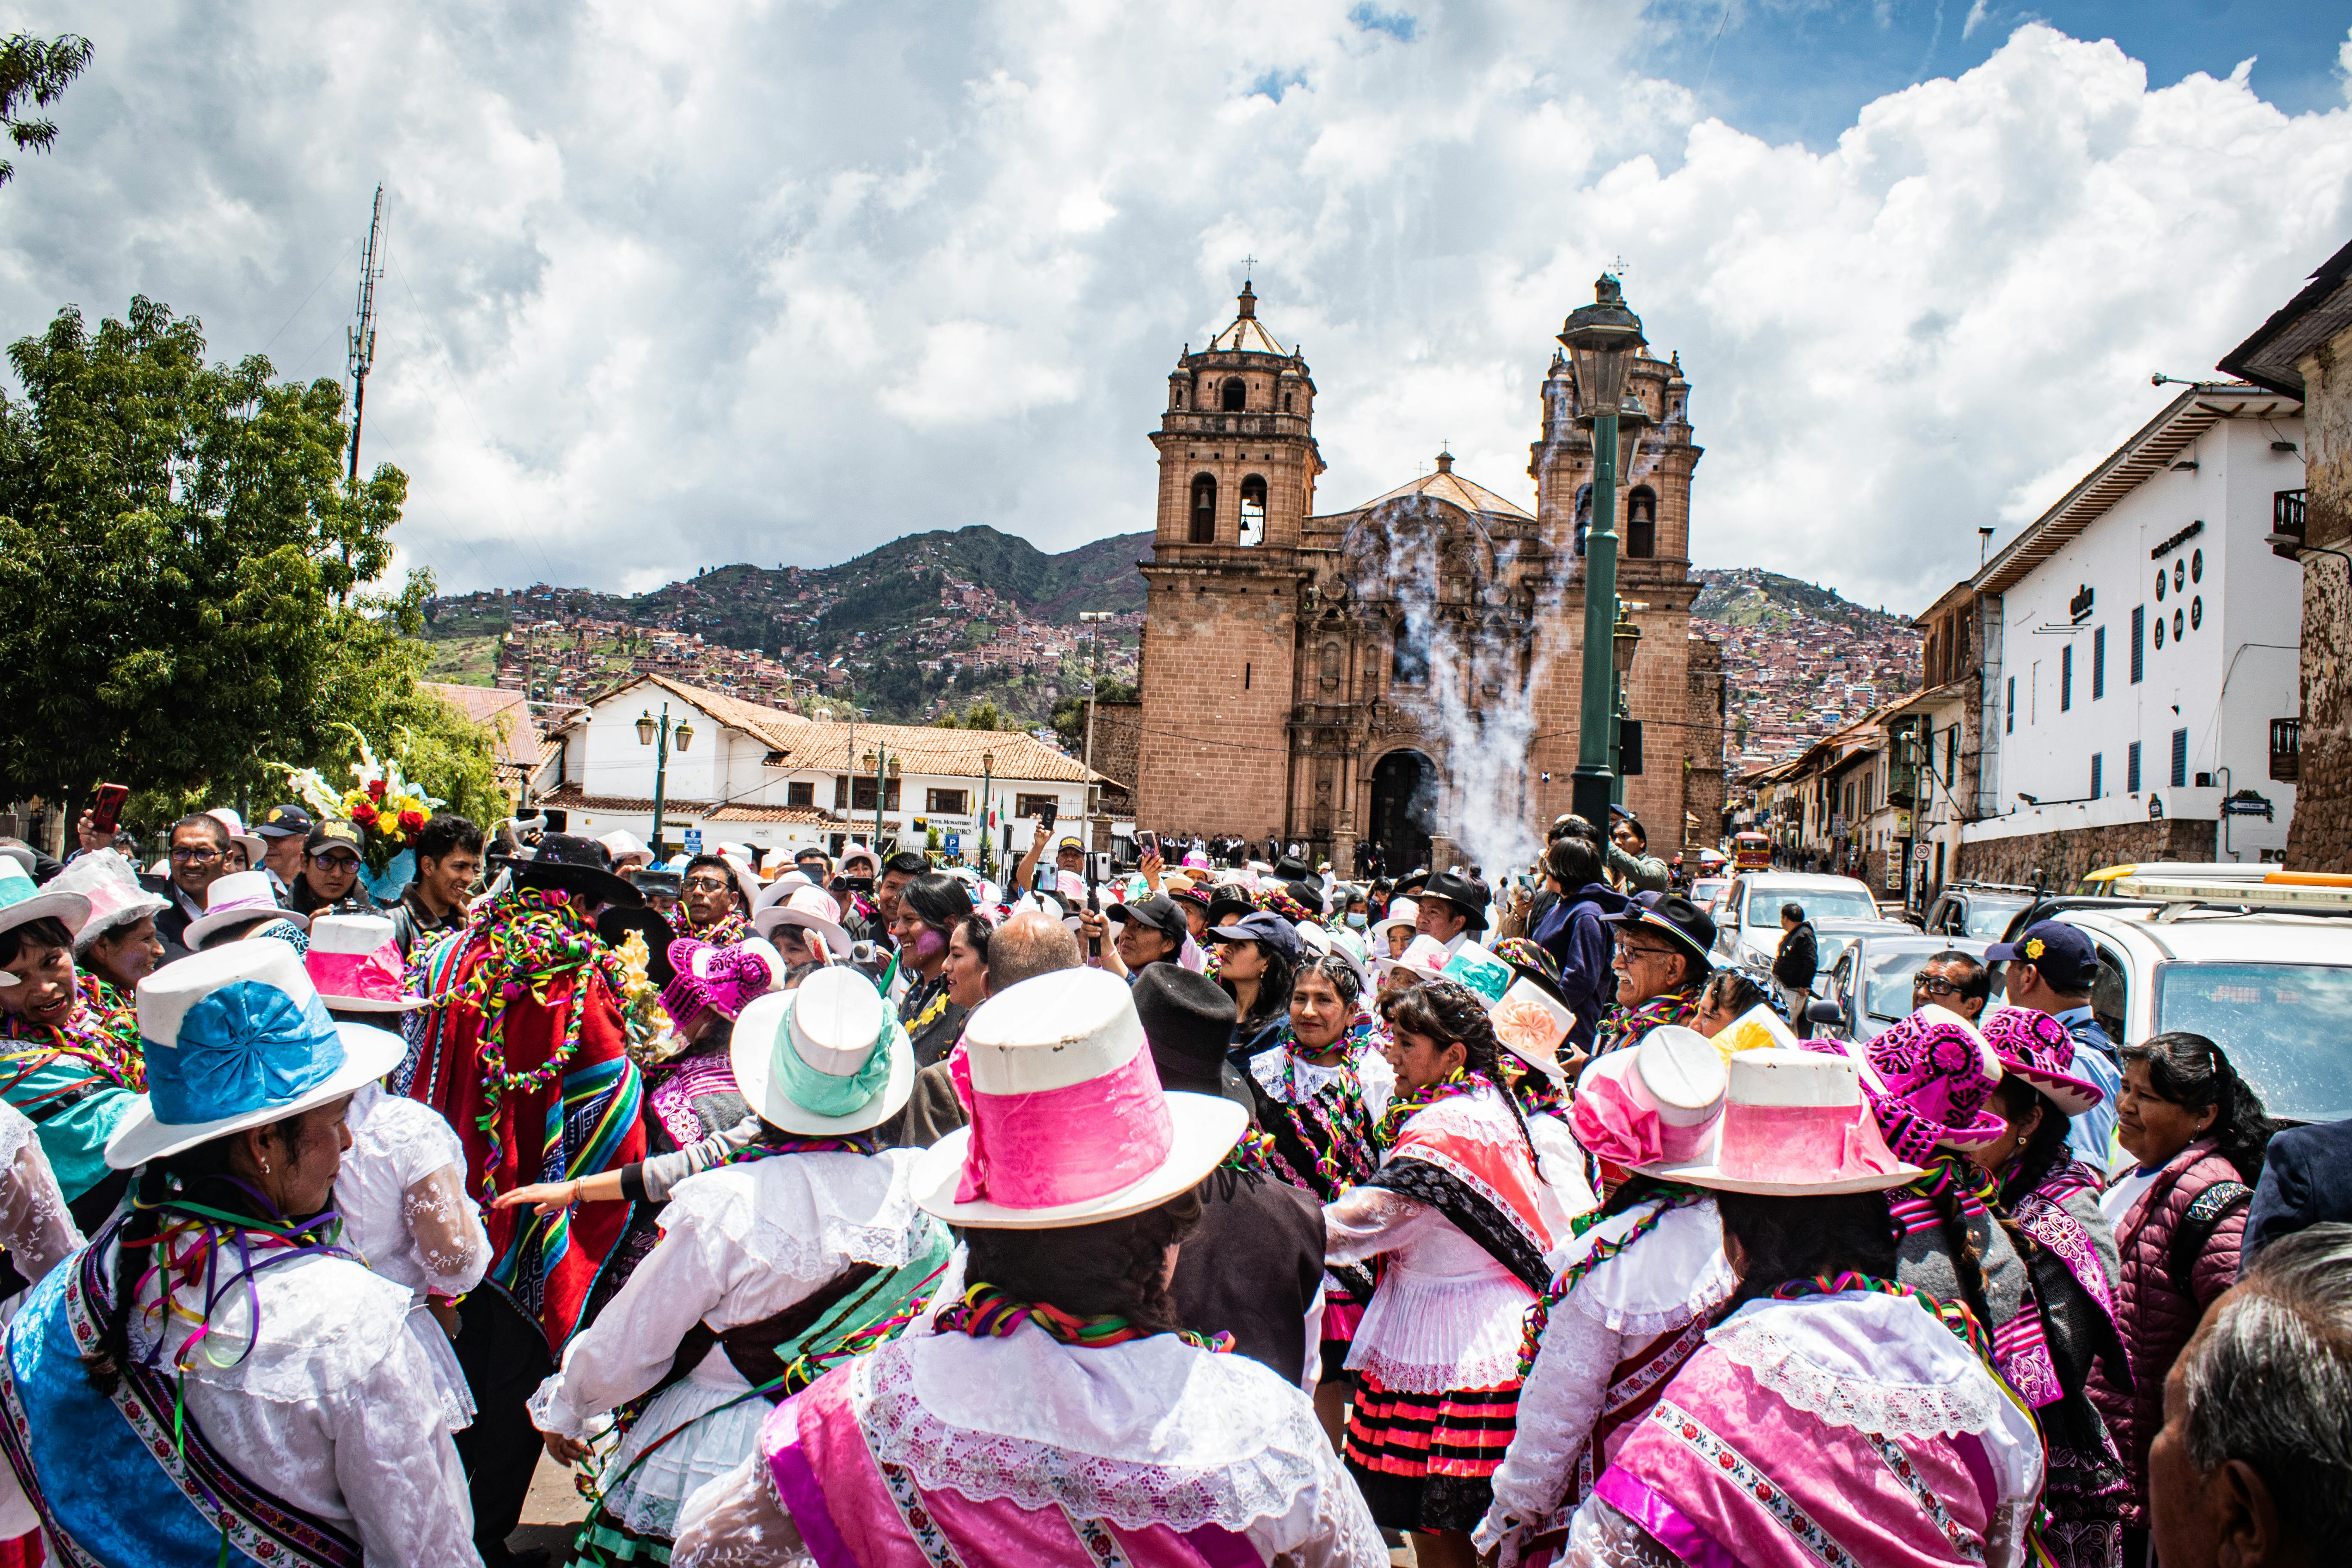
{"points": [[1405, 670]]}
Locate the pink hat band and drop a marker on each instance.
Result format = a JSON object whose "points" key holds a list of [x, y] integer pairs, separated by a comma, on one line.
{"points": [[1070, 1145], [723, 979], [1616, 1119], [1801, 1144], [358, 976]]}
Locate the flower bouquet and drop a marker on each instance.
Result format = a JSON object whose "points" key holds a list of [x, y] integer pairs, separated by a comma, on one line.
{"points": [[387, 808]]}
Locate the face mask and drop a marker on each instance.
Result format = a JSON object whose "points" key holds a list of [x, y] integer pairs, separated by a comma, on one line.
{"points": [[1355, 919]]}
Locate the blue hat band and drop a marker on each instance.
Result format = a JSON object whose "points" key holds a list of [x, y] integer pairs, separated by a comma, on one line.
{"points": [[247, 1047]]}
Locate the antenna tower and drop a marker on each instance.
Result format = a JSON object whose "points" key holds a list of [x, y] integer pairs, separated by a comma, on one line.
{"points": [[363, 337]]}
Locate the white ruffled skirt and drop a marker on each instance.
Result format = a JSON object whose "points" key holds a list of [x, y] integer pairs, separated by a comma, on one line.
{"points": [[448, 1377], [713, 1436]]}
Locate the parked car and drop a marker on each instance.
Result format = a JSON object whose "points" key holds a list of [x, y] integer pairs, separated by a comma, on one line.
{"points": [[1747, 917], [1974, 909], [2274, 988], [1706, 891], [1869, 984]]}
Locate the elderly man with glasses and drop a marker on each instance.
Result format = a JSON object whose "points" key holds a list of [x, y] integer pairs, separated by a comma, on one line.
{"points": [[1662, 966], [1954, 980]]}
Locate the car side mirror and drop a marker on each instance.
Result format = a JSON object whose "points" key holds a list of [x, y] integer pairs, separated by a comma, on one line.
{"points": [[1824, 1011]]}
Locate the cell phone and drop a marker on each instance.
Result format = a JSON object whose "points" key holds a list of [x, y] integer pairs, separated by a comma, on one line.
{"points": [[1094, 907], [1146, 842], [106, 809], [1047, 811]]}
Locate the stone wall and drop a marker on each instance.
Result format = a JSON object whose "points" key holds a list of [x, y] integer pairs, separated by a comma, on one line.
{"points": [[2321, 836], [1703, 786], [2061, 859], [1118, 727]]}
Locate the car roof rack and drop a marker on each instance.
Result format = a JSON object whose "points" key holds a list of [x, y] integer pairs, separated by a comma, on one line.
{"points": [[1990, 888], [2183, 893]]}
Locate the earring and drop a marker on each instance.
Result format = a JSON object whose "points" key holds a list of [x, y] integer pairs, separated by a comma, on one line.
{"points": [[264, 1167]]}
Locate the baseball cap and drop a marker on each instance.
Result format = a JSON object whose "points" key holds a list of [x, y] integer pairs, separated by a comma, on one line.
{"points": [[332, 835], [288, 821], [2063, 954], [1158, 911], [1261, 926]]}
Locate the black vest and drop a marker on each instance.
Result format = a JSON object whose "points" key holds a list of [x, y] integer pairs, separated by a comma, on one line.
{"points": [[1253, 1267]]}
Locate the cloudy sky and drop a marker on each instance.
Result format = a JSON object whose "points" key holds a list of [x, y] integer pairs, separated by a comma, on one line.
{"points": [[687, 284]]}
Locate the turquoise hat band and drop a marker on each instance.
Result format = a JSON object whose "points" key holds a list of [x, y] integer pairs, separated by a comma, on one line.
{"points": [[827, 1094], [244, 1048]]}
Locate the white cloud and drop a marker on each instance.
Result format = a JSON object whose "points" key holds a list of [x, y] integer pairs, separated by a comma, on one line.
{"points": [[777, 282], [1975, 19]]}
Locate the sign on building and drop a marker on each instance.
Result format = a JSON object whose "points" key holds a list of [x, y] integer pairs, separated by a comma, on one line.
{"points": [[694, 841]]}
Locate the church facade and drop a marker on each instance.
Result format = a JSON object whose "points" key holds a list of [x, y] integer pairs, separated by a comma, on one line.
{"points": [[1405, 673]]}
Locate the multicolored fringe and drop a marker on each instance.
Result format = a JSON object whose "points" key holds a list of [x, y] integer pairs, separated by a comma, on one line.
{"points": [[101, 1033], [855, 1143], [986, 1312], [1622, 1027], [1461, 1080]]}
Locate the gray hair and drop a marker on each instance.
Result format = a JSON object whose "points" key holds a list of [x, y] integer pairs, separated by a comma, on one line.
{"points": [[2270, 1381]]}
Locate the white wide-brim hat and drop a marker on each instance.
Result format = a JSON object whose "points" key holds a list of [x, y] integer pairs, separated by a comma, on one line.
{"points": [[239, 896], [277, 990], [21, 901], [1071, 1040], [839, 1027], [1823, 1088]]}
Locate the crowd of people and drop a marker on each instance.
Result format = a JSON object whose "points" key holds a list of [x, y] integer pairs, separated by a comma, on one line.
{"points": [[857, 1210]]}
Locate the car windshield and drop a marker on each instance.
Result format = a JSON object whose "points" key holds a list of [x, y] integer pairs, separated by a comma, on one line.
{"points": [[1990, 917], [1886, 988], [1818, 904], [2286, 1026]]}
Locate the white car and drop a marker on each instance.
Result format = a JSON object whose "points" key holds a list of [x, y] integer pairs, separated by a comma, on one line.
{"points": [[2272, 989], [1705, 890], [1747, 917]]}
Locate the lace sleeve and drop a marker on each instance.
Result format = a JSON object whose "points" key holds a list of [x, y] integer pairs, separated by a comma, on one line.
{"points": [[451, 1246], [1600, 1537], [662, 1172], [1367, 1221], [1558, 1406], [34, 1224], [737, 1521]]}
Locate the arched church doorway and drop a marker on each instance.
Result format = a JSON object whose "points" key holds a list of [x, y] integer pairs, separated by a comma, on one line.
{"points": [[1404, 809]]}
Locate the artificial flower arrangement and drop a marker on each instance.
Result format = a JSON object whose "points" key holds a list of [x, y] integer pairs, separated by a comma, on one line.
{"points": [[649, 1035], [387, 808]]}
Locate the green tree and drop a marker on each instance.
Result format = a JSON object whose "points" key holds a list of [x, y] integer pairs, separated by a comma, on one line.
{"points": [[180, 573], [38, 69], [1070, 712]]}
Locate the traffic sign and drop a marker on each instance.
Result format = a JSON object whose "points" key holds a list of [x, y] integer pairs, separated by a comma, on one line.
{"points": [[955, 844], [694, 841]]}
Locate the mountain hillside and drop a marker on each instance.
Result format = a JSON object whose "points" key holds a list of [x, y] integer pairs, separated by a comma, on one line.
{"points": [[1749, 596]]}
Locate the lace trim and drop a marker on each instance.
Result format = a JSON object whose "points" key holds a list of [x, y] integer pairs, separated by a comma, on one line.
{"points": [[1491, 1370], [1885, 1408], [797, 1227], [986, 1466]]}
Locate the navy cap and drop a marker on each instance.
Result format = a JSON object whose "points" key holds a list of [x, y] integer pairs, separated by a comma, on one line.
{"points": [[2064, 955], [1262, 926], [288, 821], [1158, 911]]}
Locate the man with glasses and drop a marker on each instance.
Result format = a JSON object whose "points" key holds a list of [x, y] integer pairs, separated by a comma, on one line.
{"points": [[1662, 966], [1954, 980], [199, 858], [707, 896]]}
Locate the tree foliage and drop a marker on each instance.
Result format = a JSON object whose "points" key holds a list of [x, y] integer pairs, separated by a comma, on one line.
{"points": [[979, 716], [181, 567], [1070, 712], [38, 69]]}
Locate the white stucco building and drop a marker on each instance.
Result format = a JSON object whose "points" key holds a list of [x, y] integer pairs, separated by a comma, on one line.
{"points": [[759, 776], [2141, 637]]}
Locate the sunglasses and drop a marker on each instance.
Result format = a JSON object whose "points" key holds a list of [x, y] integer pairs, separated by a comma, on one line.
{"points": [[189, 855], [705, 885]]}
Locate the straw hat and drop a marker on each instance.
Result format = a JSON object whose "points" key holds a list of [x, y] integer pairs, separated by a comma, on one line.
{"points": [[237, 1038], [1069, 1123], [824, 1061]]}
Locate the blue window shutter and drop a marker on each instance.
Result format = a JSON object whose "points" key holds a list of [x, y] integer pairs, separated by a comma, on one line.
{"points": [[2009, 709], [2096, 758], [2139, 640], [2131, 769], [2098, 662], [2181, 759], [2067, 678]]}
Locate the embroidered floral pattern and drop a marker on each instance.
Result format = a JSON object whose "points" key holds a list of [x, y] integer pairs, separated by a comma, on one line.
{"points": [[1899, 1465], [922, 1527], [1102, 1547], [1801, 1526]]}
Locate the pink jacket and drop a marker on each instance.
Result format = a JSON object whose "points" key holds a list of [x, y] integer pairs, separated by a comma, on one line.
{"points": [[2155, 1319]]}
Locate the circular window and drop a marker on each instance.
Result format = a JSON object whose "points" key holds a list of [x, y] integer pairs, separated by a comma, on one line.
{"points": [[2181, 573], [2176, 626], [2197, 611], [2159, 631], [2159, 584], [2197, 566]]}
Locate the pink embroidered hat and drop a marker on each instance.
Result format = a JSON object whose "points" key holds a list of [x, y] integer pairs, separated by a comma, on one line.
{"points": [[2036, 1046], [1069, 1123], [1652, 1104], [1935, 1075], [355, 963], [1794, 1125], [724, 979]]}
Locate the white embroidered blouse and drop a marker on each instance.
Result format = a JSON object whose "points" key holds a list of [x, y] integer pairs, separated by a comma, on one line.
{"points": [[402, 1194]]}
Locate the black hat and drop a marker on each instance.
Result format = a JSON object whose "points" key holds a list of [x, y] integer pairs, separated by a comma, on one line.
{"points": [[1410, 883], [335, 836], [1229, 903], [1261, 926], [657, 880], [1158, 911], [288, 821], [1468, 897], [1188, 1021], [1291, 868], [1309, 894], [613, 926], [2064, 955], [1675, 918], [574, 864]]}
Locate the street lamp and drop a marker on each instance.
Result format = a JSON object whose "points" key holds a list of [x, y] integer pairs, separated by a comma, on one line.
{"points": [[1094, 680], [653, 731], [1624, 642], [987, 792], [1598, 337]]}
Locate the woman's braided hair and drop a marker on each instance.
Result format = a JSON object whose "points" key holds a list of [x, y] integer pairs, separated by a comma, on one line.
{"points": [[2044, 1151], [200, 1174], [1112, 1267], [1449, 1011], [1786, 1238]]}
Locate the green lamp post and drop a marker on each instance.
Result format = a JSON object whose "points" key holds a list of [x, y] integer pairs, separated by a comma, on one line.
{"points": [[656, 733], [1599, 338]]}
